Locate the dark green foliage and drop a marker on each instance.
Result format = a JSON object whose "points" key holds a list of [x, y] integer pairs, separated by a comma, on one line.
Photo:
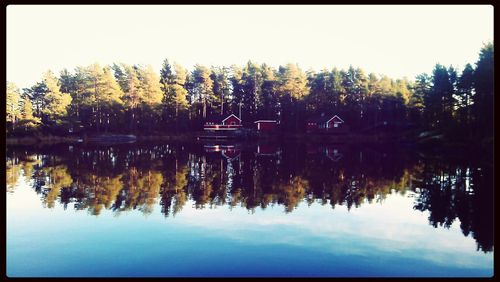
{"points": [[133, 98], [483, 82]]}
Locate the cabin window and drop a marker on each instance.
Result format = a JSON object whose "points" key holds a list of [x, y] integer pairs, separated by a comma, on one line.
{"points": [[233, 123], [335, 125]]}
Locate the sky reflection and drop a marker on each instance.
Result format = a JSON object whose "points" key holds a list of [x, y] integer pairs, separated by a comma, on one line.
{"points": [[359, 242]]}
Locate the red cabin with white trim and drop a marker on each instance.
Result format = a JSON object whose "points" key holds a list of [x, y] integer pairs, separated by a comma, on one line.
{"points": [[230, 122], [326, 123], [266, 125]]}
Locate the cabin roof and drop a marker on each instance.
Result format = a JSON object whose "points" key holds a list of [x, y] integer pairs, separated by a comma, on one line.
{"points": [[264, 120], [219, 118], [231, 116]]}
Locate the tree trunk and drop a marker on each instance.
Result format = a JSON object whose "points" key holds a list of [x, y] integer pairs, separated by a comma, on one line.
{"points": [[222, 105], [204, 109], [132, 120], [296, 117], [176, 116]]}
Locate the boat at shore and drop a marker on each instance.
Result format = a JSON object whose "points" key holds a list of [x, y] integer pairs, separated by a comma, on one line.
{"points": [[111, 138], [240, 134]]}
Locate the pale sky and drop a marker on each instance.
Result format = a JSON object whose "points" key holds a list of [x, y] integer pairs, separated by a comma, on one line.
{"points": [[394, 40]]}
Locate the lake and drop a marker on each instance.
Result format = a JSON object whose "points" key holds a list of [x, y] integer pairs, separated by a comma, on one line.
{"points": [[238, 209]]}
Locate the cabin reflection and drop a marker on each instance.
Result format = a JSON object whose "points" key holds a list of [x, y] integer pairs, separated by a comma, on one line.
{"points": [[228, 151], [268, 150], [333, 152]]}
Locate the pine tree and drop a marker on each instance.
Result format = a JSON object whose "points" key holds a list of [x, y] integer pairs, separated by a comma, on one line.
{"points": [[440, 95], [174, 93], [252, 83], [56, 103], [203, 88], [292, 89], [180, 93], [133, 95], [112, 99], [28, 121], [220, 77], [421, 89], [166, 81], [268, 93], [150, 95], [12, 104], [465, 91], [484, 86]]}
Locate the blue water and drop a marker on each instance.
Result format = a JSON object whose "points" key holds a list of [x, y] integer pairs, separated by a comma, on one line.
{"points": [[382, 238], [311, 241]]}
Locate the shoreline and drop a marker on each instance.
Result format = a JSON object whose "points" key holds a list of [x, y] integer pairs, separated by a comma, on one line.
{"points": [[353, 138]]}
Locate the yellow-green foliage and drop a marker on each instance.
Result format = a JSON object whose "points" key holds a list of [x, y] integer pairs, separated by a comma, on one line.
{"points": [[56, 102]]}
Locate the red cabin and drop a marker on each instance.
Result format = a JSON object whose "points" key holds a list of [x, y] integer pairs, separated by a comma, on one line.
{"points": [[230, 122], [324, 123], [266, 125]]}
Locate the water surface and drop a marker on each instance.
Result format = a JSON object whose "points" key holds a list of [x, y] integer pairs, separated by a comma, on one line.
{"points": [[247, 210]]}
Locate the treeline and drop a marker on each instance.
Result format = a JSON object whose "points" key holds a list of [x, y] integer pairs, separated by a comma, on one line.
{"points": [[134, 98]]}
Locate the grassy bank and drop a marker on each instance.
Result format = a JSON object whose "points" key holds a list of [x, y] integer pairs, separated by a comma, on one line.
{"points": [[423, 139], [36, 140]]}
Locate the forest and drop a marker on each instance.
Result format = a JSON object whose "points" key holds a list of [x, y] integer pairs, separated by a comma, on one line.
{"points": [[122, 98]]}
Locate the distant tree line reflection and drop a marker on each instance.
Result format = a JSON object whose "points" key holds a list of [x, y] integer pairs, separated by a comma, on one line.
{"points": [[124, 177]]}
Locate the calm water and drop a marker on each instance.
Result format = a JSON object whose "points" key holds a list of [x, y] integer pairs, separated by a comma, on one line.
{"points": [[247, 210]]}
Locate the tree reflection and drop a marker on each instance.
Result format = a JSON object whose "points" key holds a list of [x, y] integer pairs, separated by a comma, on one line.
{"points": [[12, 173], [458, 191], [58, 178], [125, 177], [18, 164]]}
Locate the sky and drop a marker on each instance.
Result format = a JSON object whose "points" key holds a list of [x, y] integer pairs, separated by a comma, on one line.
{"points": [[395, 40]]}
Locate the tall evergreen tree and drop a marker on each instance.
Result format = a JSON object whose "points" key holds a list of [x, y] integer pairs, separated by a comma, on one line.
{"points": [[269, 109], [180, 99], [484, 86], [292, 89], [151, 98], [465, 91], [237, 85], [221, 88], [28, 121], [421, 89], [56, 102], [203, 89], [13, 98], [440, 96], [175, 95], [252, 83], [133, 95]]}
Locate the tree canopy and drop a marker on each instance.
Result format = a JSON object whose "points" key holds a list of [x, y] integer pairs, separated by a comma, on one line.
{"points": [[134, 98]]}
